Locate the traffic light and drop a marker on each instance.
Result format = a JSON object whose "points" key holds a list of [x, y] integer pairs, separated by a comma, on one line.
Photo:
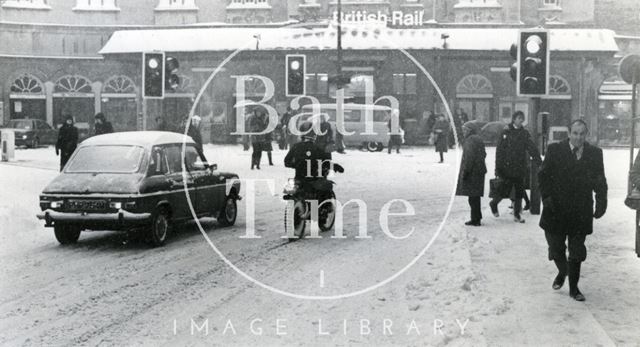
{"points": [[153, 75], [513, 71], [171, 79], [533, 63], [296, 69]]}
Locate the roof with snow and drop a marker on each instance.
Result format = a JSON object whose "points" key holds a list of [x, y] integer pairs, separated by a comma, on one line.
{"points": [[141, 138], [355, 37]]}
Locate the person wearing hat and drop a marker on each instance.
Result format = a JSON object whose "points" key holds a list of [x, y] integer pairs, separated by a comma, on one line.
{"points": [[67, 140], [472, 171], [101, 126]]}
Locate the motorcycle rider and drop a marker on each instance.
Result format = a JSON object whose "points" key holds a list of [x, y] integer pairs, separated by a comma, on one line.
{"points": [[305, 158]]}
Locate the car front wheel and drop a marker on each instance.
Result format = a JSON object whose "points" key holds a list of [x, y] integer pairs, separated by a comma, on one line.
{"points": [[66, 234], [35, 142], [160, 227], [227, 216]]}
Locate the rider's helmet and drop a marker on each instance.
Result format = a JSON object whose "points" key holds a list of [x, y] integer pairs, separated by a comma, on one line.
{"points": [[309, 134]]}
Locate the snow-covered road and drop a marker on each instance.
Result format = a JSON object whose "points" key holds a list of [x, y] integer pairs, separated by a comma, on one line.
{"points": [[473, 286]]}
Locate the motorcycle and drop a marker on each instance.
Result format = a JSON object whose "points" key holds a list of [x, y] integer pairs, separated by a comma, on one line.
{"points": [[302, 201]]}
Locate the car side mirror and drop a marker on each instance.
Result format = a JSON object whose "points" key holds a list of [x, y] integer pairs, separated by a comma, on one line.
{"points": [[213, 167]]}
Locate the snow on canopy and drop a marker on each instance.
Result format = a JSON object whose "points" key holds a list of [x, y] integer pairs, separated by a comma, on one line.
{"points": [[356, 37]]}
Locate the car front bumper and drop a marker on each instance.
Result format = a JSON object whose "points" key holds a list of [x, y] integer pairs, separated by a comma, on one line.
{"points": [[119, 218]]}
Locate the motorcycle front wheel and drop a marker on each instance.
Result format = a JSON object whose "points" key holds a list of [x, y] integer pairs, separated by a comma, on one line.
{"points": [[294, 221]]}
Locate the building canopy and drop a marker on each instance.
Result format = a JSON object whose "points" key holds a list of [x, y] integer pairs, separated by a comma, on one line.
{"points": [[355, 37]]}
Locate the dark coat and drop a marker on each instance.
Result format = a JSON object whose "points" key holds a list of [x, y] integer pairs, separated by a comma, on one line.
{"points": [[325, 142], [303, 157], [570, 184], [67, 139], [256, 125], [472, 167], [441, 133], [104, 128], [194, 132], [512, 152]]}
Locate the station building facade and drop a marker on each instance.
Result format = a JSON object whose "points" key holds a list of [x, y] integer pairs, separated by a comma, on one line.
{"points": [[54, 61]]}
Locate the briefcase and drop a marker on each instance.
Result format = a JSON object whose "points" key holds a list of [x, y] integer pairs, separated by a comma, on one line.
{"points": [[633, 200], [498, 188]]}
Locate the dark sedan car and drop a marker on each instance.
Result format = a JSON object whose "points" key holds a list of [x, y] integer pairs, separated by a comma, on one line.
{"points": [[134, 181], [32, 132]]}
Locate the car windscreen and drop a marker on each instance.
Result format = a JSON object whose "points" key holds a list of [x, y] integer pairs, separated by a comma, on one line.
{"points": [[112, 159], [20, 124]]}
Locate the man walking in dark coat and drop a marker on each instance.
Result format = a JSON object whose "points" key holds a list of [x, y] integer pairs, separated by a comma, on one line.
{"points": [[324, 140], [288, 137], [101, 126], [571, 172], [194, 132], [441, 136], [67, 141], [472, 171], [513, 150]]}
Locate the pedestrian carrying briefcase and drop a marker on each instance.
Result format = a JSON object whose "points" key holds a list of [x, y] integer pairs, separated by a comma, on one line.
{"points": [[498, 188]]}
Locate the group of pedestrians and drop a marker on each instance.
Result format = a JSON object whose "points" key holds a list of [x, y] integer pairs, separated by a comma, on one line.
{"points": [[67, 141], [571, 173]]}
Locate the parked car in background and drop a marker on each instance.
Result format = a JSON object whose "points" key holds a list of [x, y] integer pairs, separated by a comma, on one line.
{"points": [[134, 181], [32, 132], [355, 121]]}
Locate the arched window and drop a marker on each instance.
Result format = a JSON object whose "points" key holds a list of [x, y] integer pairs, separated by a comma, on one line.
{"points": [[74, 84], [27, 84], [119, 86], [475, 94], [27, 98], [474, 86], [558, 85]]}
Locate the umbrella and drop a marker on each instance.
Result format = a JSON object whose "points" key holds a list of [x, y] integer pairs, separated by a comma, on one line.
{"points": [[491, 131]]}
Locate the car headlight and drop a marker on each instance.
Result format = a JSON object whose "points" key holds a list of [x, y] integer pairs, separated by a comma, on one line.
{"points": [[56, 204], [116, 205], [25, 136]]}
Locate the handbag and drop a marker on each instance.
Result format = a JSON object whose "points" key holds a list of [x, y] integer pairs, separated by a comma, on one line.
{"points": [[498, 188]]}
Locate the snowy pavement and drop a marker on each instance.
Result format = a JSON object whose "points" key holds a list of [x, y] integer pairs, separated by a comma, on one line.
{"points": [[474, 286]]}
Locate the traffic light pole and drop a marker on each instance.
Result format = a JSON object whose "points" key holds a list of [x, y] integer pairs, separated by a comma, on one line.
{"points": [[535, 191], [339, 45]]}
